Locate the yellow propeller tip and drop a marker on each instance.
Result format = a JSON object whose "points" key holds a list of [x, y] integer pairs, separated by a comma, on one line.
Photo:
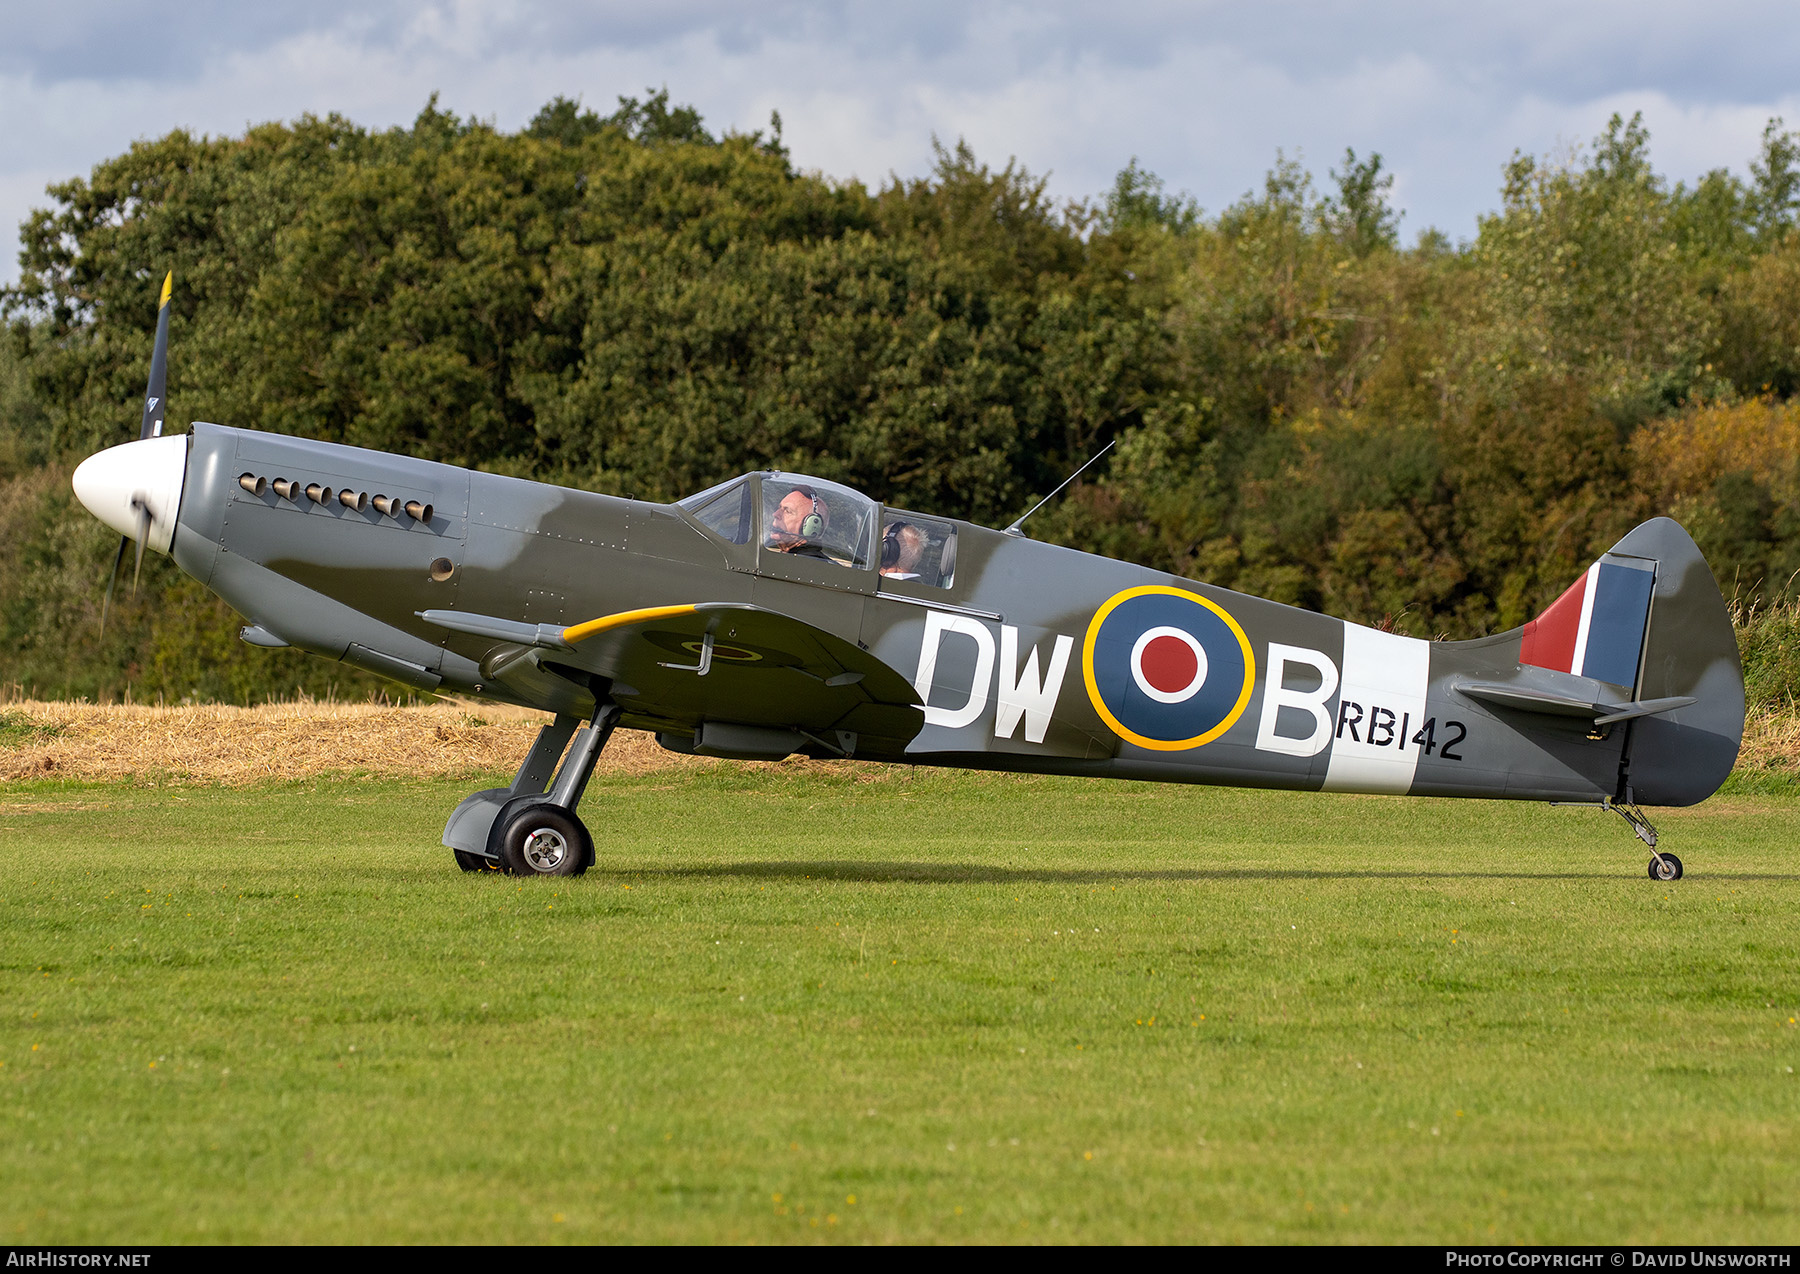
{"points": [[168, 289]]}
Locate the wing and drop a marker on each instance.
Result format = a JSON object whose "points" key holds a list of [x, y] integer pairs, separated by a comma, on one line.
{"points": [[672, 668]]}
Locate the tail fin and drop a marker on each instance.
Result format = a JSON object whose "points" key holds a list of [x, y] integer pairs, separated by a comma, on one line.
{"points": [[1648, 617]]}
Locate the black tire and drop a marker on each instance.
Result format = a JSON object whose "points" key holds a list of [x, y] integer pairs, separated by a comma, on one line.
{"points": [[545, 840], [474, 862], [1673, 869]]}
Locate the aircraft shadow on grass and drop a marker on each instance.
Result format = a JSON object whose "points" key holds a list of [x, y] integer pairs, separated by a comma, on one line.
{"points": [[884, 872]]}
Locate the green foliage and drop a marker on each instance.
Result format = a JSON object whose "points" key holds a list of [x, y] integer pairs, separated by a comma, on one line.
{"points": [[649, 121], [1774, 198], [1760, 323], [169, 640], [1769, 644], [1436, 438], [1581, 275], [21, 417], [1360, 215], [1139, 201]]}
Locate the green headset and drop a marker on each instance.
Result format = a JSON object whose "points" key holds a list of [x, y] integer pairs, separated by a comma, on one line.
{"points": [[813, 522]]}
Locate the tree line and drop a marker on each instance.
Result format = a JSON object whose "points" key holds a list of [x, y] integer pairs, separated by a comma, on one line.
{"points": [[1435, 436]]}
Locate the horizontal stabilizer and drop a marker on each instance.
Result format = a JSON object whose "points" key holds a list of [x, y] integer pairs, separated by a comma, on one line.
{"points": [[1643, 708], [1543, 701]]}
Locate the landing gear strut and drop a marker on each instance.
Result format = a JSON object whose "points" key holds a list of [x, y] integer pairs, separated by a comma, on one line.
{"points": [[1662, 866], [524, 829]]}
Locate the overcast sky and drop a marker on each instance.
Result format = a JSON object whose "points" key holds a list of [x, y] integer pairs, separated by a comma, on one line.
{"points": [[1202, 93]]}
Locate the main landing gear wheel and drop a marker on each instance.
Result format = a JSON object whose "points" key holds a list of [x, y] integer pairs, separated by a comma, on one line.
{"points": [[474, 862], [545, 840], [1667, 867]]}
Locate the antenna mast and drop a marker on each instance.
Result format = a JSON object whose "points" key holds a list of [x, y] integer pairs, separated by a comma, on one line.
{"points": [[1014, 528]]}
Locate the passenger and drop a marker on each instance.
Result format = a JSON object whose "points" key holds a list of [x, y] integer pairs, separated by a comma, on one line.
{"points": [[797, 522], [902, 549]]}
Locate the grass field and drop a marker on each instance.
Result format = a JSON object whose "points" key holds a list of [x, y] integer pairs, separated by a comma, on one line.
{"points": [[859, 1005]]}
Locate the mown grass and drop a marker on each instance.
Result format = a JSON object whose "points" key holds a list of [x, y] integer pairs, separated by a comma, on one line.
{"points": [[894, 1006]]}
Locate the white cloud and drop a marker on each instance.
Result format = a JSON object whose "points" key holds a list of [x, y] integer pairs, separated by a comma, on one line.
{"points": [[1203, 94]]}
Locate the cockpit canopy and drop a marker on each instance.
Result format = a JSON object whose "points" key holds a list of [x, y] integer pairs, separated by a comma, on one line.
{"points": [[808, 517], [801, 517]]}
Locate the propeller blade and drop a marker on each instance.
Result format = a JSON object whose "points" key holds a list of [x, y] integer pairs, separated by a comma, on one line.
{"points": [[155, 399], [112, 580], [157, 392], [143, 530]]}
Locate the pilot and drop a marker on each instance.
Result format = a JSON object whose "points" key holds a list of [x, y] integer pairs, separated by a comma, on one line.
{"points": [[902, 548], [797, 523]]}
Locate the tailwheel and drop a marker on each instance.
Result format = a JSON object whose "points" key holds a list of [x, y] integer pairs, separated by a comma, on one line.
{"points": [[545, 840], [475, 862], [1665, 867], [1662, 866]]}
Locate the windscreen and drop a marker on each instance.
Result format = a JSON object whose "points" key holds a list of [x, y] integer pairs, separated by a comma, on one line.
{"points": [[725, 512]]}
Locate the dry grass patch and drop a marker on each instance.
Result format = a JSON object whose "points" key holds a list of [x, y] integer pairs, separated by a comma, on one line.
{"points": [[306, 739], [232, 746], [1771, 740]]}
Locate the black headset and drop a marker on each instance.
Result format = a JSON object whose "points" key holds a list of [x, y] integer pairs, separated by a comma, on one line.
{"points": [[890, 544]]}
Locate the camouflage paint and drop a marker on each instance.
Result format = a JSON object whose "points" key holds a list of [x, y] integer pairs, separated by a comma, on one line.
{"points": [[837, 653]]}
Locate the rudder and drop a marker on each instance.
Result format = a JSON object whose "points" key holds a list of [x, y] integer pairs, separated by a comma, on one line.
{"points": [[1596, 628], [1654, 614]]}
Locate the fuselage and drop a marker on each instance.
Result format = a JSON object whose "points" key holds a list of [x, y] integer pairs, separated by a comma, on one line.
{"points": [[1028, 656]]}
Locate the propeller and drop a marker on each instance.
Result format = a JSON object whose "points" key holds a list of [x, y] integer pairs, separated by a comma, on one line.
{"points": [[155, 395], [140, 505]]}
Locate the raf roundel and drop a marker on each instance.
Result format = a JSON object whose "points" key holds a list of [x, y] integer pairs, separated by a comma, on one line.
{"points": [[1167, 669]]}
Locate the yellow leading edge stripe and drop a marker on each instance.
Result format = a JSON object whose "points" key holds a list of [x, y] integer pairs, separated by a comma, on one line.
{"points": [[580, 632]]}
